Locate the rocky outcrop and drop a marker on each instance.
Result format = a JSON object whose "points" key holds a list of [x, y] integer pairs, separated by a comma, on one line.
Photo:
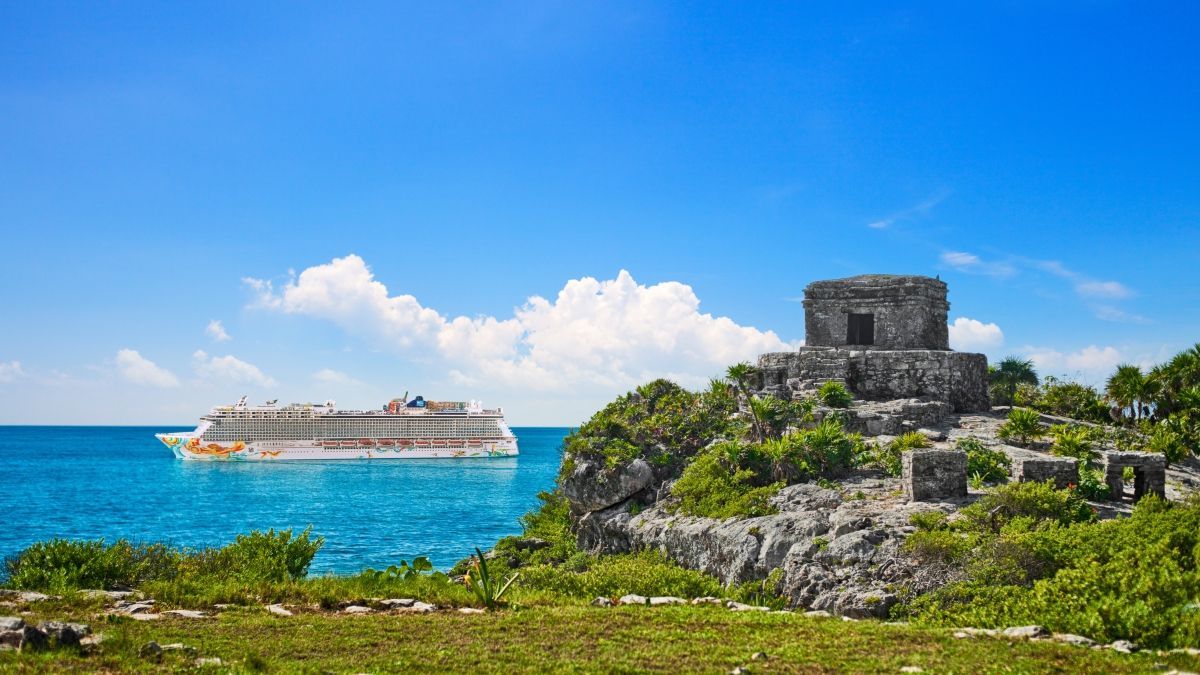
{"points": [[592, 486], [836, 549], [16, 634]]}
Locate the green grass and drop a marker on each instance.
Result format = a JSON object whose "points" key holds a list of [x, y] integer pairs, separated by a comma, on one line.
{"points": [[569, 638]]}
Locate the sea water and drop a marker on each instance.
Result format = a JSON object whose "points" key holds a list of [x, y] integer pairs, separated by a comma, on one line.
{"points": [[121, 482]]}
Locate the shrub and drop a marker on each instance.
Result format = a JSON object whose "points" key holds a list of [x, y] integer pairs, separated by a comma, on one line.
{"points": [[1070, 399], [989, 465], [835, 395], [660, 421], [63, 565], [1073, 441], [1168, 443], [714, 486], [1033, 501], [1132, 578], [1091, 483], [888, 457], [1022, 427], [66, 564]]}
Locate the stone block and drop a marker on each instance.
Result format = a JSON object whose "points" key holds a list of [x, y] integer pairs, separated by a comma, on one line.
{"points": [[933, 475], [1063, 471], [1149, 473]]}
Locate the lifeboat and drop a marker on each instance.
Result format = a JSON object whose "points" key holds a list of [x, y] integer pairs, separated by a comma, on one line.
{"points": [[387, 441], [348, 444], [421, 443], [457, 442], [440, 443], [475, 443], [366, 442], [329, 444]]}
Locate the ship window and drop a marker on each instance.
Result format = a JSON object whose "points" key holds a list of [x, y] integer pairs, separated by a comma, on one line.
{"points": [[860, 329]]}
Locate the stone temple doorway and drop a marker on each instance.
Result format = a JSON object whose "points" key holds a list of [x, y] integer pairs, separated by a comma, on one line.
{"points": [[860, 329]]}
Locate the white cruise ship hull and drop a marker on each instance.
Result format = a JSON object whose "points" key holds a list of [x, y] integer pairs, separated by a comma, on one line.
{"points": [[189, 446]]}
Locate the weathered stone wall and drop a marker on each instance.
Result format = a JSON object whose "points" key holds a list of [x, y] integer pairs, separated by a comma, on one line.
{"points": [[909, 311], [1063, 471], [931, 475], [1149, 469], [958, 378]]}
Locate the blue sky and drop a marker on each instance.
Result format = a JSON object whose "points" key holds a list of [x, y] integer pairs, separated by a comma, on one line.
{"points": [[161, 163]]}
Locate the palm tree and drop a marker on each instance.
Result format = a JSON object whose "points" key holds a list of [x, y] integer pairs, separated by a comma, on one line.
{"points": [[1011, 373], [739, 375], [1126, 388]]}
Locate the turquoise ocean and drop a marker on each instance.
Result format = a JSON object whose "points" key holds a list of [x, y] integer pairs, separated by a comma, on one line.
{"points": [[121, 482]]}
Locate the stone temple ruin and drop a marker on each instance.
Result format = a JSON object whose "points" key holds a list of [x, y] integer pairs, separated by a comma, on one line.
{"points": [[886, 338]]}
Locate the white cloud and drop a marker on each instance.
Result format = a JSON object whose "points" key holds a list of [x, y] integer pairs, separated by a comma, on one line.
{"points": [[918, 209], [331, 376], [1103, 289], [228, 369], [973, 264], [1091, 364], [10, 371], [973, 335], [140, 370], [610, 334], [216, 331], [1117, 315]]}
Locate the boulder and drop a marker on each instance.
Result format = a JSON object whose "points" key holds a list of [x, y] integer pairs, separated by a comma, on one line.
{"points": [[62, 634], [658, 601], [632, 599], [396, 603], [602, 602], [279, 610], [186, 613], [592, 486], [1025, 632]]}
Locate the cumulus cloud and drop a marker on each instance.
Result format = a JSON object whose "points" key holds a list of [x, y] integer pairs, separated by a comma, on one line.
{"points": [[331, 376], [973, 335], [611, 333], [216, 331], [228, 369], [1091, 364], [140, 370], [10, 371]]}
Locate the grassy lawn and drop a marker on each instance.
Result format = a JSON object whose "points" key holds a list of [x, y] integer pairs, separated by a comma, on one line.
{"points": [[565, 638]]}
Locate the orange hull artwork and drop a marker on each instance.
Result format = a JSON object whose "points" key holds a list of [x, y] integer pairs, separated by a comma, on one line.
{"points": [[195, 448]]}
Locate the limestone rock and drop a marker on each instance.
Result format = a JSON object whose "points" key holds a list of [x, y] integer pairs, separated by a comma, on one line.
{"points": [[1123, 646], [659, 601], [279, 610], [742, 607], [592, 486], [602, 602], [357, 609], [707, 600], [396, 603], [62, 634], [1025, 632], [632, 599], [1072, 639], [471, 610], [418, 607], [186, 613]]}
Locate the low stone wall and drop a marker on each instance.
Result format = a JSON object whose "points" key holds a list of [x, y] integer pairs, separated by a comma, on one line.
{"points": [[1063, 471], [958, 378], [932, 475]]}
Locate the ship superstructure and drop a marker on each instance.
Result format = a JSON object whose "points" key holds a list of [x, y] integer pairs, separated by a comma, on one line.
{"points": [[401, 429]]}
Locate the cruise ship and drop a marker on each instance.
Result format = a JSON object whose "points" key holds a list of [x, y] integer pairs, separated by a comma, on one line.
{"points": [[402, 429]]}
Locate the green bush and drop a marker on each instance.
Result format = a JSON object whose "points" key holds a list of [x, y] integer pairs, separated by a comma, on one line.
{"points": [[1091, 483], [835, 395], [611, 576], [1070, 440], [989, 465], [62, 565], [660, 421], [1022, 427], [1132, 578], [1169, 443], [1035, 501], [888, 457], [259, 556], [1070, 399], [713, 485]]}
